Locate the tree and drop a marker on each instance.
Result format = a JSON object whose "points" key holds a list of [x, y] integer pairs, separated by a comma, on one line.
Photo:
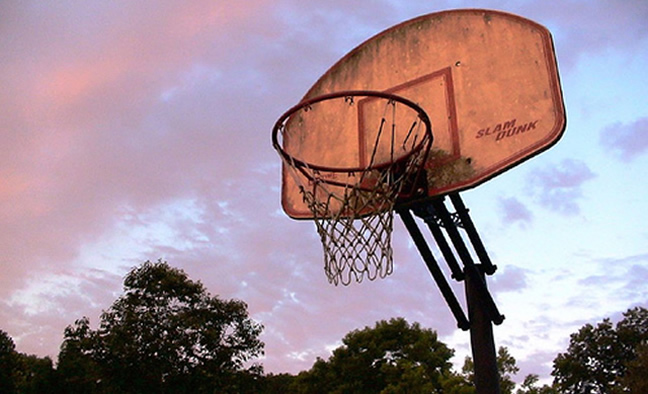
{"points": [[598, 358], [35, 375], [277, 383], [8, 363], [392, 357], [77, 370], [21, 373], [528, 386], [164, 334], [506, 366], [635, 378]]}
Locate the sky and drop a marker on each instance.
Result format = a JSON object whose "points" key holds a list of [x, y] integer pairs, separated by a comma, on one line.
{"points": [[136, 131]]}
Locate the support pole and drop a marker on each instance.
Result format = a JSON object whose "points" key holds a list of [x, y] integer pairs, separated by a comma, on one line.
{"points": [[482, 311], [434, 269], [481, 340], [479, 282], [427, 213], [467, 223]]}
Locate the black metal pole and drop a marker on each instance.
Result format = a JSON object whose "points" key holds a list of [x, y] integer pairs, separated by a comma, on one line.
{"points": [[433, 267], [427, 213], [481, 339], [482, 311], [470, 269], [488, 267]]}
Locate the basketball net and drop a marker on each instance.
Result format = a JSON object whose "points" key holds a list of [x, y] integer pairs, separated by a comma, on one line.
{"points": [[353, 210]]}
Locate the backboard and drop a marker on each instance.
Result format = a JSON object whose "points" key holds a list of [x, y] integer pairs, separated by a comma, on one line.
{"points": [[487, 80]]}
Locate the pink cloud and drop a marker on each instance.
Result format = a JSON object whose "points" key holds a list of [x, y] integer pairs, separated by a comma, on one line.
{"points": [[559, 187], [86, 137], [580, 27], [626, 141], [514, 211], [511, 279], [85, 129]]}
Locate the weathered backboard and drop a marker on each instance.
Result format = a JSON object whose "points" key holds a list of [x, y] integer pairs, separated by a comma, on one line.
{"points": [[487, 80]]}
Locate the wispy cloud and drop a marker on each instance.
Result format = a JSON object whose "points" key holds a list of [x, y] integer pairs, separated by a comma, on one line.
{"points": [[512, 278], [514, 211], [559, 187], [626, 141], [592, 28]]}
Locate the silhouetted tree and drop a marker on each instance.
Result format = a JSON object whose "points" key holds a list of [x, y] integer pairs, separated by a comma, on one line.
{"points": [[164, 334], [35, 375], [506, 367], [78, 371], [277, 383], [529, 386], [25, 374], [636, 379], [392, 357], [598, 358], [8, 363]]}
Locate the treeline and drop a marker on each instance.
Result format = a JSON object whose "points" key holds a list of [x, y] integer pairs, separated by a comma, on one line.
{"points": [[167, 334]]}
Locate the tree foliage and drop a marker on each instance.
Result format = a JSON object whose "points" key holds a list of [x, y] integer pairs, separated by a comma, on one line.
{"points": [[35, 375], [392, 357], [506, 367], [21, 373], [636, 379], [599, 357], [78, 369], [164, 334], [528, 386], [8, 363]]}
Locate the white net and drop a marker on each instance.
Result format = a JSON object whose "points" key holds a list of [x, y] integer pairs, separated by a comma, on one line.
{"points": [[355, 246]]}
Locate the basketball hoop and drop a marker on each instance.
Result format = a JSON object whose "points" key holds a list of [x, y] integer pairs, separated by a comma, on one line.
{"points": [[352, 200]]}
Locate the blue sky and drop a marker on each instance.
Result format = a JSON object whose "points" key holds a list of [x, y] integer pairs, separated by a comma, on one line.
{"points": [[138, 132]]}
